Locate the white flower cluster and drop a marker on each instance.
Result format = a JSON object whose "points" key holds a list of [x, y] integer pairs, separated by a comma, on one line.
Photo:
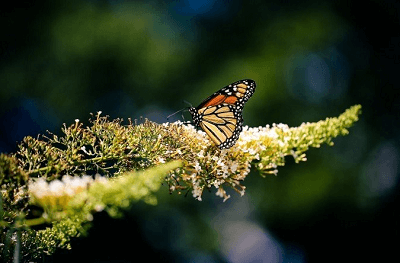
{"points": [[197, 134], [68, 185], [255, 141], [256, 136], [216, 168], [58, 192], [212, 168]]}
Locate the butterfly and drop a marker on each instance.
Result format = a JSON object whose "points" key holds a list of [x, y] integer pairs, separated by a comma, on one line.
{"points": [[220, 115]]}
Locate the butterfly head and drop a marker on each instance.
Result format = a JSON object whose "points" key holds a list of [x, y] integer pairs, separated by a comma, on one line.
{"points": [[192, 110], [195, 115]]}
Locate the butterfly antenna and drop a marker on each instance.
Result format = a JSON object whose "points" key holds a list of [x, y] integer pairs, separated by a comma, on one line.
{"points": [[176, 112], [188, 103]]}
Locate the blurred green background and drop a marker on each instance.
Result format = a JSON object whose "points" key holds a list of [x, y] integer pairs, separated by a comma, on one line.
{"points": [[61, 60]]}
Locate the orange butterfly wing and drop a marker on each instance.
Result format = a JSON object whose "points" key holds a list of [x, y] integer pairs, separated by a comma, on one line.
{"points": [[220, 115]]}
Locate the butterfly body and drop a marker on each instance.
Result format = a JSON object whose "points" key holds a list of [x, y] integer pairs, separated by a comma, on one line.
{"points": [[220, 115]]}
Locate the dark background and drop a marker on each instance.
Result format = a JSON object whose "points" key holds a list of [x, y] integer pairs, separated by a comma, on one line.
{"points": [[61, 60]]}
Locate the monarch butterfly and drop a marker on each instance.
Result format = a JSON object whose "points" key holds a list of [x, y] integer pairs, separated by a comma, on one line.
{"points": [[220, 115]]}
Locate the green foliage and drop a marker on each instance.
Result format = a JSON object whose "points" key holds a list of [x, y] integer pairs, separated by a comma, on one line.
{"points": [[108, 166], [111, 194], [47, 241], [118, 193], [107, 147], [71, 217], [13, 186]]}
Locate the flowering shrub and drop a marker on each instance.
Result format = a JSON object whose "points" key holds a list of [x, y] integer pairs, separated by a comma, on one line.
{"points": [[109, 166], [265, 147]]}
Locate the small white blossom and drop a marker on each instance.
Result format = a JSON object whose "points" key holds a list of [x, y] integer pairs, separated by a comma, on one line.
{"points": [[243, 191], [99, 208], [272, 134], [220, 163], [234, 167], [56, 188], [197, 167], [201, 154], [222, 193]]}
